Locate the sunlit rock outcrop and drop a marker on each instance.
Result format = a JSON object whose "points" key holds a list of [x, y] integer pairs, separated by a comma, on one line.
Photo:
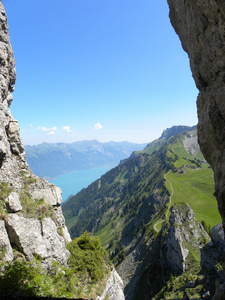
{"points": [[184, 239]]}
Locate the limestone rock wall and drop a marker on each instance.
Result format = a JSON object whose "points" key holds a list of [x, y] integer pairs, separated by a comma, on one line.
{"points": [[200, 25], [31, 218]]}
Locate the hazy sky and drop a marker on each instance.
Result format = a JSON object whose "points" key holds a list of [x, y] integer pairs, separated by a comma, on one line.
{"points": [[98, 69]]}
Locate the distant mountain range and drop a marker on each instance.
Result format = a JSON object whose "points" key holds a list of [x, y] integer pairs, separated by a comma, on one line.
{"points": [[50, 160]]}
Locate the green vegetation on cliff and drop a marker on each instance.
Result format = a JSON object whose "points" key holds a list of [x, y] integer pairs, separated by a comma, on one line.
{"points": [[85, 276]]}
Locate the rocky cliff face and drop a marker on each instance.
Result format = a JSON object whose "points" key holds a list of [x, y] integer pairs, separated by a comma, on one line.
{"points": [[175, 260], [200, 25], [30, 212], [184, 239]]}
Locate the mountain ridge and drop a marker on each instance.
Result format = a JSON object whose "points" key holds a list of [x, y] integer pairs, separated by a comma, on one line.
{"points": [[165, 136]]}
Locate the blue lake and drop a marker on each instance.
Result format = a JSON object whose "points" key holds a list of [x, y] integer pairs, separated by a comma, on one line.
{"points": [[72, 183]]}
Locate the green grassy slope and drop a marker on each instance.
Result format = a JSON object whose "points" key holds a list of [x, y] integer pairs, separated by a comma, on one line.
{"points": [[196, 187], [192, 181]]}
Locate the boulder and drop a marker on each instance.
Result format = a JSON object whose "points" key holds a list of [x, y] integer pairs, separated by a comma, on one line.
{"points": [[13, 202]]}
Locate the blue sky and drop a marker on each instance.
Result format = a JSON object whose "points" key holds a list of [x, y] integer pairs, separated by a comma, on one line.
{"points": [[98, 69]]}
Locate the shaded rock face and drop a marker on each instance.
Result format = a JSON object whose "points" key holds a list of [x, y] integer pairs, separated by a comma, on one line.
{"points": [[5, 243], [212, 252], [200, 25], [29, 233]]}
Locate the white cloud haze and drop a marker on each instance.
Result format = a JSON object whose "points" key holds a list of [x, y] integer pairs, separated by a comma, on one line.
{"points": [[51, 132], [44, 129], [67, 128], [98, 126]]}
